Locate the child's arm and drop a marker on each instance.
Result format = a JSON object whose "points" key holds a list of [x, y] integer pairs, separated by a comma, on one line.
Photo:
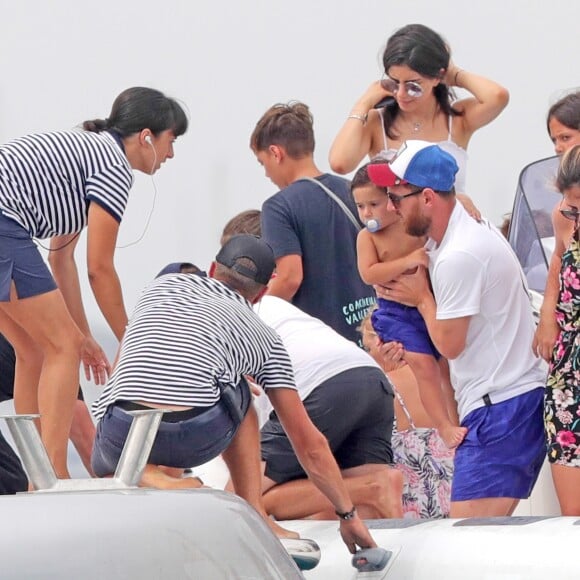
{"points": [[469, 206], [373, 271]]}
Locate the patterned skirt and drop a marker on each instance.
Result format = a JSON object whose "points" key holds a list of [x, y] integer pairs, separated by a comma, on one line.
{"points": [[427, 466]]}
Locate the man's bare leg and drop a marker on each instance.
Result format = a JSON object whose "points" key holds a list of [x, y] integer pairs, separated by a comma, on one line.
{"points": [[487, 507], [243, 460], [374, 489]]}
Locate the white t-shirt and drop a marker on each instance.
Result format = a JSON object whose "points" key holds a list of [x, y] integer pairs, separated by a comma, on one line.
{"points": [[475, 273], [317, 352]]}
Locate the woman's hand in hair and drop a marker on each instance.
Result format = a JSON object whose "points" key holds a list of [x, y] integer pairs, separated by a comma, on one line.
{"points": [[450, 77], [374, 94]]}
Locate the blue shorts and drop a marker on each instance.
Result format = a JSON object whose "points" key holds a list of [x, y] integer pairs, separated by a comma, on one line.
{"points": [[404, 324], [21, 262], [180, 444], [503, 451]]}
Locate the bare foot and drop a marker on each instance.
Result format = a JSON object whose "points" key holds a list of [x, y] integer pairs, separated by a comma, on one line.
{"points": [[280, 531], [452, 435], [156, 477]]}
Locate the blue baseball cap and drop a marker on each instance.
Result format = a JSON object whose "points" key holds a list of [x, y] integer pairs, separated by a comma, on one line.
{"points": [[419, 163]]}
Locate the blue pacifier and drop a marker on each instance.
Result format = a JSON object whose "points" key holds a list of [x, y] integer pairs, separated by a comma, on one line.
{"points": [[373, 225]]}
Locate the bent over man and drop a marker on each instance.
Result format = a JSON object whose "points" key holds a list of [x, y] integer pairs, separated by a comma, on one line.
{"points": [[187, 348]]}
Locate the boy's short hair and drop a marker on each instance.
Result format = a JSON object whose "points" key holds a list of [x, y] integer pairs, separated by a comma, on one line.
{"points": [[181, 268], [288, 125], [246, 222]]}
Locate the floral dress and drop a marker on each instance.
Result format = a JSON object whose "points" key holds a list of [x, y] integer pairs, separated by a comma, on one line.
{"points": [[562, 400], [427, 467]]}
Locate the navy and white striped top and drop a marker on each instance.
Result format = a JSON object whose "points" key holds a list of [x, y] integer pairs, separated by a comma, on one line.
{"points": [[47, 180], [186, 333]]}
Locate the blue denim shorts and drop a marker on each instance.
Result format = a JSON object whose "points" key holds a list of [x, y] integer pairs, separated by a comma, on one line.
{"points": [[21, 262], [178, 444], [503, 451]]}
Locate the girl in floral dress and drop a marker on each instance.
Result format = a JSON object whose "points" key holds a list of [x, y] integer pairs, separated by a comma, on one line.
{"points": [[562, 401]]}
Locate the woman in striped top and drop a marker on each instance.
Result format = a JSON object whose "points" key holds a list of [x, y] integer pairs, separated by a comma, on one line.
{"points": [[51, 186]]}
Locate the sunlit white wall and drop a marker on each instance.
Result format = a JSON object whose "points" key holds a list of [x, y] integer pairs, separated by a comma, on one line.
{"points": [[64, 61]]}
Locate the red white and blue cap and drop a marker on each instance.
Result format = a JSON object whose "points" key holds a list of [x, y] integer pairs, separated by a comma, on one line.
{"points": [[419, 163]]}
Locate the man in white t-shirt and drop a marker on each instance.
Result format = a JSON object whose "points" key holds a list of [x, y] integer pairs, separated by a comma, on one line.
{"points": [[349, 399], [479, 317]]}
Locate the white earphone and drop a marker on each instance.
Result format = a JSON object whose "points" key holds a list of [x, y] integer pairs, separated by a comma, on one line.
{"points": [[149, 141]]}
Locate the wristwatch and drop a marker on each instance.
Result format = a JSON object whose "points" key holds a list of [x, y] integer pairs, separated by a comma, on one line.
{"points": [[347, 515]]}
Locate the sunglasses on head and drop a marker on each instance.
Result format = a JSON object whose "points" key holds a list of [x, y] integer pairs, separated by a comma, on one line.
{"points": [[412, 88]]}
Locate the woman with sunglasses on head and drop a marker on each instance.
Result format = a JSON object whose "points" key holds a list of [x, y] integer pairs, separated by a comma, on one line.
{"points": [[413, 101], [562, 399], [52, 185]]}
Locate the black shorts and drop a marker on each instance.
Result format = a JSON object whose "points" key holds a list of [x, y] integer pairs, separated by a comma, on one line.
{"points": [[353, 409], [7, 364], [12, 476]]}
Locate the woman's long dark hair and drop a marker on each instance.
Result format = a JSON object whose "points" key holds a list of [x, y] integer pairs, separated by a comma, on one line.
{"points": [[425, 52], [141, 108], [566, 111]]}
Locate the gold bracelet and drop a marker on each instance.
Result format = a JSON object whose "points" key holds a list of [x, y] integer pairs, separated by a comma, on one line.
{"points": [[455, 77], [361, 118]]}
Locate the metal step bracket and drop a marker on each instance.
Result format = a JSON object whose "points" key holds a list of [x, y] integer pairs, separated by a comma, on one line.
{"points": [[40, 471]]}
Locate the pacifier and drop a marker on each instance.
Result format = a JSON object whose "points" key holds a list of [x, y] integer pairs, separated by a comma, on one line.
{"points": [[373, 225]]}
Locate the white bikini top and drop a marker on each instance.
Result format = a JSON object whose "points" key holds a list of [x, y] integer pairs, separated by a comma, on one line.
{"points": [[459, 154]]}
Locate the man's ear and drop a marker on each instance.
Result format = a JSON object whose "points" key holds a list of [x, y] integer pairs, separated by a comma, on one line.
{"points": [[278, 152], [428, 196], [211, 270]]}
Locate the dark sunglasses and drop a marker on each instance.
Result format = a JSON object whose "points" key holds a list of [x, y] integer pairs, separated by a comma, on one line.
{"points": [[571, 213], [397, 199]]}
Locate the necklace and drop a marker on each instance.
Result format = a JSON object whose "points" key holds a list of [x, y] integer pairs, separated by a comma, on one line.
{"points": [[416, 127]]}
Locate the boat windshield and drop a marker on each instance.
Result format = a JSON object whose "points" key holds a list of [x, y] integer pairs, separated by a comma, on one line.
{"points": [[531, 234]]}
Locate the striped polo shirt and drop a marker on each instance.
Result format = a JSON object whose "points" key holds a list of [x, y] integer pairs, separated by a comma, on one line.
{"points": [[186, 334], [47, 180]]}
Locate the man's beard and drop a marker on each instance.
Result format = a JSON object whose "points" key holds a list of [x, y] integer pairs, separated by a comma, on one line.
{"points": [[417, 225]]}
